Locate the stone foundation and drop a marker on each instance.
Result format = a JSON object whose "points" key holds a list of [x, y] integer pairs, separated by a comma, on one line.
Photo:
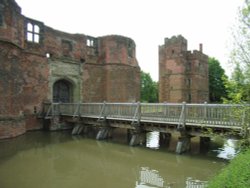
{"points": [[12, 126]]}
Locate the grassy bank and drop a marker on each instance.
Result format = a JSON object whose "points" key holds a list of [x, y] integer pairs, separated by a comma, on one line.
{"points": [[235, 175]]}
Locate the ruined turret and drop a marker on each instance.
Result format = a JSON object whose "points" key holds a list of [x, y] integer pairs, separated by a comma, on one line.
{"points": [[183, 75]]}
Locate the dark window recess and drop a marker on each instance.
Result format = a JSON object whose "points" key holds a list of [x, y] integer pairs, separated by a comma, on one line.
{"points": [[66, 48], [82, 60], [130, 49], [188, 66], [1, 19], [189, 82], [189, 97], [33, 33]]}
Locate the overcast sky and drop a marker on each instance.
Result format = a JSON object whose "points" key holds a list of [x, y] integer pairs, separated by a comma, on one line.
{"points": [[147, 22]]}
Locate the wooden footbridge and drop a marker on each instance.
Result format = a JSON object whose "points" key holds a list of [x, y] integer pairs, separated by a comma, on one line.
{"points": [[189, 120]]}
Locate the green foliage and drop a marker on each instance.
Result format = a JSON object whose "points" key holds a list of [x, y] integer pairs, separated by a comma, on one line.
{"points": [[238, 87], [241, 35], [217, 77], [149, 88], [236, 174]]}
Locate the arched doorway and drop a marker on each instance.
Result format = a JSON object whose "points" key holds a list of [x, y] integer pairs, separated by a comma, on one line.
{"points": [[62, 91]]}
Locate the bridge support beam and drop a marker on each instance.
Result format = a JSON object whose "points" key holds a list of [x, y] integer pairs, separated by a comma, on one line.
{"points": [[57, 124], [183, 144], [103, 133], [78, 129], [165, 138], [137, 138], [54, 123]]}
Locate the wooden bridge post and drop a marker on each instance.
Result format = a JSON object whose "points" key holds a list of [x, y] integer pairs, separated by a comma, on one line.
{"points": [[137, 136], [105, 129], [182, 119], [55, 123], [103, 133], [78, 129], [165, 138], [183, 144]]}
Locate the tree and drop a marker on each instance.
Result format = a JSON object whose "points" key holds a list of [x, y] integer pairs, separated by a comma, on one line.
{"points": [[238, 86], [217, 77], [149, 88], [241, 36]]}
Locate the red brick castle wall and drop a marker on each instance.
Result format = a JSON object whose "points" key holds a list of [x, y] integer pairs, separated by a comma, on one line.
{"points": [[34, 57]]}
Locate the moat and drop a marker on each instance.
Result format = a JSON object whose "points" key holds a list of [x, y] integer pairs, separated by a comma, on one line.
{"points": [[57, 159]]}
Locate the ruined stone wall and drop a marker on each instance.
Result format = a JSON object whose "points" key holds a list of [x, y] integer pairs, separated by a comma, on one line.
{"points": [[34, 57], [122, 70], [198, 75], [125, 87], [94, 83], [12, 120], [11, 25], [183, 75]]}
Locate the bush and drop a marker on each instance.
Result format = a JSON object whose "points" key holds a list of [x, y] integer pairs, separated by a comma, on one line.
{"points": [[235, 175]]}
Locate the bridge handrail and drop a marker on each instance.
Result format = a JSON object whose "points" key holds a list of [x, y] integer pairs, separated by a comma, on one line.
{"points": [[178, 113]]}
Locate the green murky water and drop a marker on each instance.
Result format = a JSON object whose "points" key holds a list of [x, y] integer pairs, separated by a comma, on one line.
{"points": [[59, 160]]}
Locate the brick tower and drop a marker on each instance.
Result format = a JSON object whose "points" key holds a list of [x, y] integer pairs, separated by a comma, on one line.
{"points": [[183, 75]]}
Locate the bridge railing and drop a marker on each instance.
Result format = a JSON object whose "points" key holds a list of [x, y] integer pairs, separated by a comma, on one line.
{"points": [[161, 112], [215, 114], [120, 110], [176, 113], [78, 109]]}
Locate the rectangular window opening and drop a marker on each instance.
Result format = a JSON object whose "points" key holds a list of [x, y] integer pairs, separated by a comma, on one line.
{"points": [[30, 37], [189, 97], [36, 38], [33, 33], [36, 29], [90, 43]]}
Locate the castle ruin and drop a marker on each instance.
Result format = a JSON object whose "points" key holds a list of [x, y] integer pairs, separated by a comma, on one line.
{"points": [[40, 64], [183, 75]]}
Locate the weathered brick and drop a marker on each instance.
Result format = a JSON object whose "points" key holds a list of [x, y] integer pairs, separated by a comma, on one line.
{"points": [[35, 57], [183, 75]]}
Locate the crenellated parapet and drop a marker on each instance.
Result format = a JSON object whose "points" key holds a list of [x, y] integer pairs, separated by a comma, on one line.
{"points": [[183, 74]]}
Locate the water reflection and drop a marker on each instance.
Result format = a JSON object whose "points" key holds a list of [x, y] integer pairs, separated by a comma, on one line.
{"points": [[149, 178], [60, 160], [153, 140], [228, 150], [219, 147], [191, 183]]}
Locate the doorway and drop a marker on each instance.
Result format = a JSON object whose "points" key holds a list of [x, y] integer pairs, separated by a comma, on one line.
{"points": [[62, 91]]}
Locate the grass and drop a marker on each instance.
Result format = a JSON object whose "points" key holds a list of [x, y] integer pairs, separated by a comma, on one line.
{"points": [[235, 175]]}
